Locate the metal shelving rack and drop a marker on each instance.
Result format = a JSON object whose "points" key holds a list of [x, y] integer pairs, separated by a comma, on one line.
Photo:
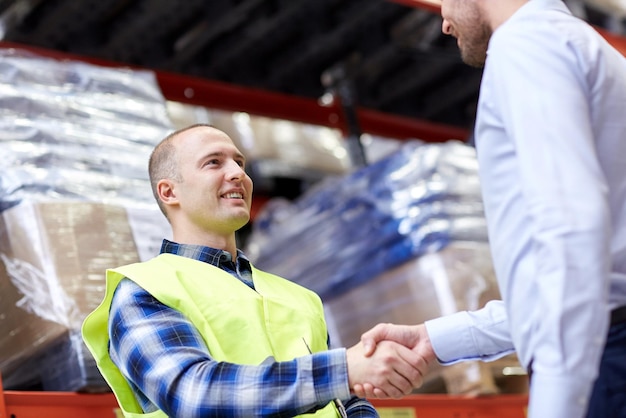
{"points": [[185, 89], [453, 406], [32, 404], [24, 404]]}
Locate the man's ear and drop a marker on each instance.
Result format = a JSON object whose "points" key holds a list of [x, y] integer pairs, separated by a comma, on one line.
{"points": [[166, 192]]}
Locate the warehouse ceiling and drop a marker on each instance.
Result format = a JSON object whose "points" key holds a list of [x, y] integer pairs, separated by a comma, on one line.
{"points": [[378, 54]]}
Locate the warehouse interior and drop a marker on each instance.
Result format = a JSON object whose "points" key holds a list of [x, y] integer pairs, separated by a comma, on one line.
{"points": [[390, 55], [301, 86]]}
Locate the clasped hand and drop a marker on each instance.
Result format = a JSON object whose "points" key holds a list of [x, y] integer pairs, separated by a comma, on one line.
{"points": [[389, 361]]}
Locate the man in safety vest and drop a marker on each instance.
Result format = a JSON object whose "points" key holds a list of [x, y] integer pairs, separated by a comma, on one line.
{"points": [[199, 331]]}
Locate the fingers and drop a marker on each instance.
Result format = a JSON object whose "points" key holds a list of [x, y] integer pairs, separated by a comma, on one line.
{"points": [[399, 369], [413, 366], [393, 371], [407, 335], [409, 368], [377, 370], [359, 390], [378, 393], [367, 390]]}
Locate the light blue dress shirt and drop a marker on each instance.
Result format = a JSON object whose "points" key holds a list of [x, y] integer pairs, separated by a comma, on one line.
{"points": [[551, 144]]}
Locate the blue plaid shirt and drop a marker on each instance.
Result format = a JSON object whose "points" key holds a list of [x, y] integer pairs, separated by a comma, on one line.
{"points": [[169, 367]]}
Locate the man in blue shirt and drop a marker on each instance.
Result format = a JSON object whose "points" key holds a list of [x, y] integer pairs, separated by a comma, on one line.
{"points": [[161, 356], [551, 143]]}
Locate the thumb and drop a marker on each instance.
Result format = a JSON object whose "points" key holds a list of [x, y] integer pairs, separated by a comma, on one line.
{"points": [[370, 338], [369, 346]]}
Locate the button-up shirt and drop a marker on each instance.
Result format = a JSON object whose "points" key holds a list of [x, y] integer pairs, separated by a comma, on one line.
{"points": [[169, 367], [551, 145]]}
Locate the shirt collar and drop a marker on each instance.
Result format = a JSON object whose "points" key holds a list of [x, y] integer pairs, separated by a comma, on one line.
{"points": [[205, 254]]}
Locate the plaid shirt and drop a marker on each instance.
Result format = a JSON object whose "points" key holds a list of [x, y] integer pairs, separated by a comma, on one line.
{"points": [[169, 367]]}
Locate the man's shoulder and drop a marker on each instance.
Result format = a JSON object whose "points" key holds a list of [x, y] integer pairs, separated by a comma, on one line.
{"points": [[128, 289]]}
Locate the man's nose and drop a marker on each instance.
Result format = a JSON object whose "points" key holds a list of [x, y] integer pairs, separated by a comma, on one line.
{"points": [[235, 171], [445, 27]]}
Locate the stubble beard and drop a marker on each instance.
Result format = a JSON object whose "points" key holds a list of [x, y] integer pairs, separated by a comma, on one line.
{"points": [[475, 44]]}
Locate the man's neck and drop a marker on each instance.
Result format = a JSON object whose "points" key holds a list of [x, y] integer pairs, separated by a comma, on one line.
{"points": [[221, 242], [498, 11]]}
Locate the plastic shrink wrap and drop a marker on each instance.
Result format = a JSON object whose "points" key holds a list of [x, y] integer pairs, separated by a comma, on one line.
{"points": [[402, 240], [75, 199], [274, 148]]}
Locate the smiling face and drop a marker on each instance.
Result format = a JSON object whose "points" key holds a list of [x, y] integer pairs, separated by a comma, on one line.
{"points": [[464, 20], [211, 193]]}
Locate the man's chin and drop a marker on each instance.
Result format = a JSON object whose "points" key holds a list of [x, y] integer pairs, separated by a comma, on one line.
{"points": [[473, 60], [241, 221]]}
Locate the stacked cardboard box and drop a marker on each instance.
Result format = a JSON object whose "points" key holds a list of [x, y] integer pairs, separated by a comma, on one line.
{"points": [[458, 277], [75, 199], [402, 240], [54, 255]]}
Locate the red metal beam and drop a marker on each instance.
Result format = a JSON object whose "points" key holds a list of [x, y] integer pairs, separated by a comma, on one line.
{"points": [[68, 404], [218, 95], [383, 124], [3, 406], [454, 406], [225, 96], [33, 404], [432, 5]]}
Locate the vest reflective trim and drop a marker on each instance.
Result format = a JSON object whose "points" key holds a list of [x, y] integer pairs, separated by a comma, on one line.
{"points": [[276, 319]]}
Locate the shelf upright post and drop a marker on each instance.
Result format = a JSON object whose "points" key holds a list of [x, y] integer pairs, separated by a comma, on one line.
{"points": [[339, 82], [3, 406]]}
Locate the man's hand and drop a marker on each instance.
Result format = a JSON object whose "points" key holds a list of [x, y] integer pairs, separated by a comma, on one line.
{"points": [[414, 337], [393, 369]]}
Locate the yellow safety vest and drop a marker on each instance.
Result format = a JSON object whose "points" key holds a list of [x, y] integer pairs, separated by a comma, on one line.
{"points": [[238, 324]]}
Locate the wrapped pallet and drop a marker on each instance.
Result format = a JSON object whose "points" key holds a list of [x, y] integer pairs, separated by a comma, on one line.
{"points": [[75, 199], [53, 257], [402, 240]]}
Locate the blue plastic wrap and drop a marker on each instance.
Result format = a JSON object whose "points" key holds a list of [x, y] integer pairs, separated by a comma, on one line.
{"points": [[347, 230]]}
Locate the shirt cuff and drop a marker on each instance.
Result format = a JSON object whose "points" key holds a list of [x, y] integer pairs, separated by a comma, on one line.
{"points": [[451, 338], [477, 335], [335, 379]]}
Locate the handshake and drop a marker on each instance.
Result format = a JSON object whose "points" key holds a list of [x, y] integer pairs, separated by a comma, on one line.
{"points": [[389, 361]]}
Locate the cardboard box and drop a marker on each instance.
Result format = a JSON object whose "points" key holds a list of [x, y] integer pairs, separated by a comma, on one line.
{"points": [[22, 333], [459, 277], [53, 260]]}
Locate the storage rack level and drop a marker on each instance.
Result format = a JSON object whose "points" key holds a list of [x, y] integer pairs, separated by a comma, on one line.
{"points": [[34, 404], [23, 404], [453, 406]]}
